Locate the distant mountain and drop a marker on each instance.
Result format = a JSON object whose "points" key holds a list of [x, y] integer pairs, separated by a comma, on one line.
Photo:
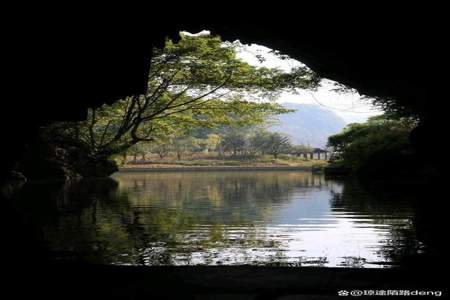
{"points": [[310, 124]]}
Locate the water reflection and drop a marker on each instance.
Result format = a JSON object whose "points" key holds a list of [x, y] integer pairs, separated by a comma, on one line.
{"points": [[212, 218]]}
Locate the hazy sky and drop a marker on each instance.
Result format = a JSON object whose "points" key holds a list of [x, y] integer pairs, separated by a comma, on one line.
{"points": [[350, 106]]}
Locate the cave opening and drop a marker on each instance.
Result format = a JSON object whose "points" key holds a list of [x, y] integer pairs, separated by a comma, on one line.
{"points": [[111, 215]]}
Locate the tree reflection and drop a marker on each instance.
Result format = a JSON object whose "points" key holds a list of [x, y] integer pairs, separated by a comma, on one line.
{"points": [[156, 218], [382, 206], [206, 218]]}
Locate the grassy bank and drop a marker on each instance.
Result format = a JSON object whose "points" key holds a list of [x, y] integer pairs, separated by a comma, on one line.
{"points": [[204, 162]]}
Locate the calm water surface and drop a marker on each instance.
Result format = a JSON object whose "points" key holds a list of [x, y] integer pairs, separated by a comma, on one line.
{"points": [[284, 218]]}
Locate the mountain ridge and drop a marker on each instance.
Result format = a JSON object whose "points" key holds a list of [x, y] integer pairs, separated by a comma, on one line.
{"points": [[309, 124]]}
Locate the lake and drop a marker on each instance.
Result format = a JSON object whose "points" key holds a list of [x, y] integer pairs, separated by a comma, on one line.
{"points": [[262, 218]]}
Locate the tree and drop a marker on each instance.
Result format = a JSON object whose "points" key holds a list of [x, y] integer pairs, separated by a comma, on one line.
{"points": [[379, 124], [161, 147], [134, 151], [276, 144], [194, 82], [183, 145], [198, 81], [258, 141], [234, 141], [212, 142], [360, 143]]}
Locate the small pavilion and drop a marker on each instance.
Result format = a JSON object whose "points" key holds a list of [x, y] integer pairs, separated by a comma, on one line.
{"points": [[315, 153]]}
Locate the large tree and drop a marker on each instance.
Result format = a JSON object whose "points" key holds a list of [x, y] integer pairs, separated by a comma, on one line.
{"points": [[198, 81]]}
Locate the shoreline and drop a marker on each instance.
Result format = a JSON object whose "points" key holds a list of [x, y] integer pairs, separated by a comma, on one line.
{"points": [[215, 168]]}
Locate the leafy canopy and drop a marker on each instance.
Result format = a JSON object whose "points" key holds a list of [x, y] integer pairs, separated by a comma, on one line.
{"points": [[375, 125], [359, 142], [196, 82]]}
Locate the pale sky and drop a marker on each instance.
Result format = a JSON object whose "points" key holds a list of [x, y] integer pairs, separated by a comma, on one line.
{"points": [[349, 105]]}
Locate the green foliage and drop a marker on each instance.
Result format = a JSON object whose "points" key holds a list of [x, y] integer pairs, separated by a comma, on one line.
{"points": [[258, 141], [251, 143], [183, 145], [254, 141], [195, 82], [161, 148], [274, 143], [361, 150], [359, 142], [212, 142], [234, 141]]}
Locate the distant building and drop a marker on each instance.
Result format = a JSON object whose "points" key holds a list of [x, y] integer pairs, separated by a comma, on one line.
{"points": [[320, 153], [315, 153]]}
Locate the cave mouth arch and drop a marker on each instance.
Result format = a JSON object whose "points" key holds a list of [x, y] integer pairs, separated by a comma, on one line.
{"points": [[373, 57], [107, 129], [369, 57]]}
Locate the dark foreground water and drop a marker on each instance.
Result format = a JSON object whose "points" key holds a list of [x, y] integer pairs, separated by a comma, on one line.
{"points": [[284, 218]]}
